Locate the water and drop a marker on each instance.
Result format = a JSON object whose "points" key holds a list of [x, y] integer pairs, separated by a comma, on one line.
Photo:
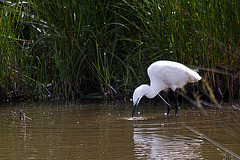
{"points": [[105, 131]]}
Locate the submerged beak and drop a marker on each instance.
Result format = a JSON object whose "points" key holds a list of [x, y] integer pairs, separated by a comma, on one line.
{"points": [[134, 107]]}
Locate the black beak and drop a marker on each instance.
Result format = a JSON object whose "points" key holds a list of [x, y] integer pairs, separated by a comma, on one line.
{"points": [[134, 107]]}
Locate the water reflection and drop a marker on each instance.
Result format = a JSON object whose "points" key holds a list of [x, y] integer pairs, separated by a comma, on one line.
{"points": [[102, 131], [153, 143]]}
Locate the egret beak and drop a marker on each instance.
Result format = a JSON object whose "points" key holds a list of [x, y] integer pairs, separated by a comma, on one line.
{"points": [[134, 107]]}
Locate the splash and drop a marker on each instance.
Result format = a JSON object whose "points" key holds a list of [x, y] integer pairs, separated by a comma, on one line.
{"points": [[136, 119]]}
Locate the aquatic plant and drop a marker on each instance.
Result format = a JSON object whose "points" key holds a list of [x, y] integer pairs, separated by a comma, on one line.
{"points": [[60, 50], [224, 155], [224, 152]]}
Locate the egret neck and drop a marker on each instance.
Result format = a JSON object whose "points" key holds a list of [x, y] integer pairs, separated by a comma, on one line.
{"points": [[146, 90]]}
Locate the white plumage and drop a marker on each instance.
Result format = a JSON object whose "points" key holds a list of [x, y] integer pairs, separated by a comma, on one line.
{"points": [[164, 74]]}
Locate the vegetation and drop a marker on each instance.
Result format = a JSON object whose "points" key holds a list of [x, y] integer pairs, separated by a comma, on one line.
{"points": [[74, 49]]}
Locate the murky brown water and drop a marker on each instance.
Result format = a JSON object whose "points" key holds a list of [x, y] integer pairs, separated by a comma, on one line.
{"points": [[104, 131]]}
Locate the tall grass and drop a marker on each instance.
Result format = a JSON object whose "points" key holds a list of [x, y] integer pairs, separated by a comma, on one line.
{"points": [[101, 49]]}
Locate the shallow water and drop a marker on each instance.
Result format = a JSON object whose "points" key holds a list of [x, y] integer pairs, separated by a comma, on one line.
{"points": [[106, 131]]}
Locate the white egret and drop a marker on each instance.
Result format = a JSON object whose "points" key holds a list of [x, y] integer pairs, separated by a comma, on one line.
{"points": [[164, 74]]}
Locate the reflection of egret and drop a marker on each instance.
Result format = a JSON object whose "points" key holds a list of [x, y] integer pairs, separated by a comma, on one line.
{"points": [[163, 75], [154, 142]]}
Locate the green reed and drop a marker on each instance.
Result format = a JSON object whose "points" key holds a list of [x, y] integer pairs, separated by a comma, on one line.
{"points": [[76, 49]]}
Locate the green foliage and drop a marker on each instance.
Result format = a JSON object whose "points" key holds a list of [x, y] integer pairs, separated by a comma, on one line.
{"points": [[75, 49]]}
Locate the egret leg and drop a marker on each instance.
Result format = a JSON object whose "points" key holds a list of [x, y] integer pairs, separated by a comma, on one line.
{"points": [[176, 107], [167, 99]]}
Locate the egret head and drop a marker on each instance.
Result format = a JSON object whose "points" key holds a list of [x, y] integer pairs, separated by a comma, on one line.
{"points": [[138, 94]]}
